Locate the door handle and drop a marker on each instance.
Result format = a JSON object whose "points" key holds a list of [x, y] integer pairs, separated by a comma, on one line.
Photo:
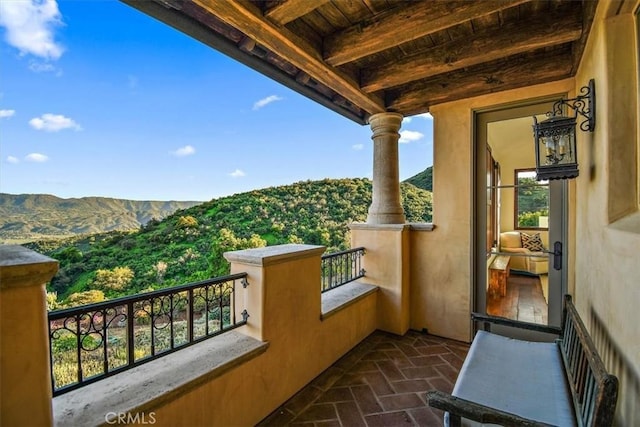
{"points": [[557, 255]]}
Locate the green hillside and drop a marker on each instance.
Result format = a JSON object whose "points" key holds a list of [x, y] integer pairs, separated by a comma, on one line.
{"points": [[27, 217], [423, 179], [188, 245]]}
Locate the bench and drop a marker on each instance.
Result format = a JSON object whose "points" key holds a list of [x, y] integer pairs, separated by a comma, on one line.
{"points": [[512, 382]]}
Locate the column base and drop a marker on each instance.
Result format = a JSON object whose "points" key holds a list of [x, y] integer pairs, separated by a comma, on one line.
{"points": [[388, 217]]}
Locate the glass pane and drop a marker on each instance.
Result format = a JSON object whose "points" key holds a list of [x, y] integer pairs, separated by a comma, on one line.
{"points": [[532, 200]]}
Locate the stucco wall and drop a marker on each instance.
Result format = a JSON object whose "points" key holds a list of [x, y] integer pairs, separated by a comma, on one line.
{"points": [[252, 391], [439, 283], [24, 337], [387, 266], [605, 268], [441, 276], [607, 232]]}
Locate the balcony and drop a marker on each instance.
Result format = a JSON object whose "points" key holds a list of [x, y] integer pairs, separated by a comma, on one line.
{"points": [[292, 336], [414, 278]]}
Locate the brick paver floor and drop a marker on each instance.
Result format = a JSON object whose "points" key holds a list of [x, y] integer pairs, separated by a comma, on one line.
{"points": [[381, 382]]}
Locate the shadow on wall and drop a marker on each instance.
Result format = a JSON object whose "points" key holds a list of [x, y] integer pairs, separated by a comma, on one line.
{"points": [[628, 409]]}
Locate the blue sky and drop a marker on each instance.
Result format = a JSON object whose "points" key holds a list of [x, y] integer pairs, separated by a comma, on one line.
{"points": [[98, 99]]}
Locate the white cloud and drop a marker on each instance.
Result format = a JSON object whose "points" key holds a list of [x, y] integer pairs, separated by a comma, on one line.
{"points": [[426, 116], [11, 159], [407, 136], [7, 113], [36, 157], [30, 26], [237, 173], [44, 67], [265, 101], [53, 123], [187, 150], [357, 147]]}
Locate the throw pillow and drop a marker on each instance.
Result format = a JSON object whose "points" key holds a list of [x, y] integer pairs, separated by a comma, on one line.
{"points": [[533, 242]]}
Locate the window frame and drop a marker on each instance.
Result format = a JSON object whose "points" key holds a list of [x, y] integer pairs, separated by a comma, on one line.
{"points": [[493, 212]]}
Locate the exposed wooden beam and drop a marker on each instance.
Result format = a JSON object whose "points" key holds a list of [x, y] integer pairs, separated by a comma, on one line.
{"points": [[247, 19], [588, 11], [403, 24], [290, 10], [507, 74], [517, 37]]}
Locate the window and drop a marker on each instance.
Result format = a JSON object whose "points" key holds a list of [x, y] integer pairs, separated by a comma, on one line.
{"points": [[531, 201]]}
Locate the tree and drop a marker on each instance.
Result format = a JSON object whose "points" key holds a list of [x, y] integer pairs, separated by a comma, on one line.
{"points": [[86, 297], [52, 301], [532, 201], [160, 269], [187, 222], [116, 279], [69, 255]]}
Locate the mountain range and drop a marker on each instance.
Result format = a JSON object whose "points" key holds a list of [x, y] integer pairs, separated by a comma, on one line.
{"points": [[28, 217], [188, 245], [31, 217]]}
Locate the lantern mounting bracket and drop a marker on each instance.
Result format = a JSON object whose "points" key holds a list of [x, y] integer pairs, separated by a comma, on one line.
{"points": [[583, 104]]}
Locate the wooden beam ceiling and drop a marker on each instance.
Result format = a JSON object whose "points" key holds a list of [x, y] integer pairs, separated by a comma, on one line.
{"points": [[491, 77], [290, 10], [402, 24], [511, 39]]}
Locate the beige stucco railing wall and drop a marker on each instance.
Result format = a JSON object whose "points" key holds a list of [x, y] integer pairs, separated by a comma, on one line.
{"points": [[283, 299], [284, 302], [25, 381]]}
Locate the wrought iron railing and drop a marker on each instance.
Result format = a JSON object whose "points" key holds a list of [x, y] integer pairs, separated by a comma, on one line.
{"points": [[343, 267], [94, 341]]}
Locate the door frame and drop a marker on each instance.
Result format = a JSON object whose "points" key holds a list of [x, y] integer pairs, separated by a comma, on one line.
{"points": [[558, 206]]}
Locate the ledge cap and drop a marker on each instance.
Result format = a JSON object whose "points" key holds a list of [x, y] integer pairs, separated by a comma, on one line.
{"points": [[271, 255], [21, 267]]}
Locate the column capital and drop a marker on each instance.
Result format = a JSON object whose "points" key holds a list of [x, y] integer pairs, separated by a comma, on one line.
{"points": [[387, 121]]}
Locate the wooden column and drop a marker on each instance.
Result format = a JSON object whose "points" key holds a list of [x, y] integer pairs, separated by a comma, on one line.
{"points": [[25, 371], [385, 205]]}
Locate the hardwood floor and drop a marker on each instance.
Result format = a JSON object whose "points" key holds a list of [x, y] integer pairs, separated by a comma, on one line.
{"points": [[524, 301]]}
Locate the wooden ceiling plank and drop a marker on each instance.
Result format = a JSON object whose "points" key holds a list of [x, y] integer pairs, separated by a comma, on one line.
{"points": [[481, 80], [511, 39], [319, 23], [247, 18], [405, 23], [302, 29], [291, 10], [334, 16], [354, 11]]}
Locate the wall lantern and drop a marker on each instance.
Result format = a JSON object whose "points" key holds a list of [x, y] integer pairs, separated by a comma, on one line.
{"points": [[555, 137]]}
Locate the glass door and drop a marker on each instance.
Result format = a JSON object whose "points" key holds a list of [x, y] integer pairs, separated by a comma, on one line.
{"points": [[520, 224]]}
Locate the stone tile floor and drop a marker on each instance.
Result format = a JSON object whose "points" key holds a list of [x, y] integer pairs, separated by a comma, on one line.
{"points": [[381, 382]]}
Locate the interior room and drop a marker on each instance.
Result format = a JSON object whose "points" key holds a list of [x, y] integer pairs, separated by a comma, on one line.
{"points": [[517, 225]]}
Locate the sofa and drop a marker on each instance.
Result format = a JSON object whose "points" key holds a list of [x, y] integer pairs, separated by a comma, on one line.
{"points": [[524, 259]]}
